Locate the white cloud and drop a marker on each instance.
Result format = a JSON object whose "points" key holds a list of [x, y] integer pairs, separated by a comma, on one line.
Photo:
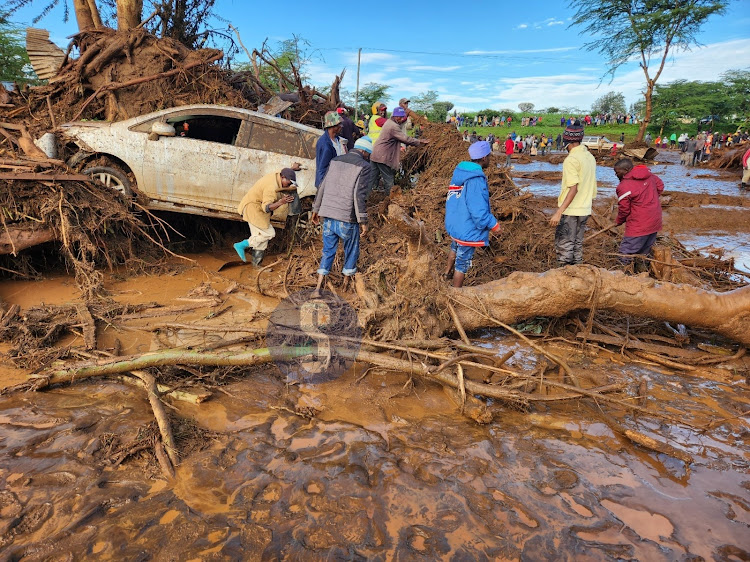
{"points": [[383, 58], [483, 84], [522, 26], [555, 22], [429, 68]]}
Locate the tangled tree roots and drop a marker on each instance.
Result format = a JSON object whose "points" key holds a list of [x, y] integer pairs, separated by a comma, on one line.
{"points": [[728, 158], [91, 222], [122, 74]]}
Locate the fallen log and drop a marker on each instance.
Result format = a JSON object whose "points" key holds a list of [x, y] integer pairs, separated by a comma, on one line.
{"points": [[629, 343], [560, 291], [13, 239]]}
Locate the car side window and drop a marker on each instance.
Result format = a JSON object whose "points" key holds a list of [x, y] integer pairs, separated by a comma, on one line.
{"points": [[280, 140], [211, 128]]}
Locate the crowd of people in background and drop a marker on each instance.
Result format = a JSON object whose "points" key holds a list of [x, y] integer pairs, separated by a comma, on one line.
{"points": [[530, 144], [696, 148], [460, 120]]}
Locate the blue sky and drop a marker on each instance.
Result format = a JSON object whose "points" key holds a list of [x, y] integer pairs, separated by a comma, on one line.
{"points": [[492, 54]]}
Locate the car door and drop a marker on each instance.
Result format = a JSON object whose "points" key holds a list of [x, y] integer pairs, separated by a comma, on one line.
{"points": [[198, 166], [270, 146]]}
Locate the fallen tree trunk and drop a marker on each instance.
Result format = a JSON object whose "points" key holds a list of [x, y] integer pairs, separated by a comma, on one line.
{"points": [[13, 240], [560, 291]]}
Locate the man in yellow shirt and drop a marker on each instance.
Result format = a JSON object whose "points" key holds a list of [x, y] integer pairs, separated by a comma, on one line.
{"points": [[576, 195], [265, 196]]}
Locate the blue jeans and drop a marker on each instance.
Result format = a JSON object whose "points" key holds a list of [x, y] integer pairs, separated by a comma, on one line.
{"points": [[348, 233], [463, 256]]}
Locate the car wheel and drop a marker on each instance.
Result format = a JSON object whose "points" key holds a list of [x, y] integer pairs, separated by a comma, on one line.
{"points": [[112, 178]]}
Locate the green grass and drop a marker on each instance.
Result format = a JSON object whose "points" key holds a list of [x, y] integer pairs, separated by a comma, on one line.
{"points": [[612, 132]]}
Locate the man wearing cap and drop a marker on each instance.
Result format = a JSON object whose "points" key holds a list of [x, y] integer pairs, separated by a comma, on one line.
{"points": [[256, 207], [403, 103], [349, 130], [329, 145], [377, 120], [576, 197], [413, 115], [468, 218], [341, 201], [387, 150]]}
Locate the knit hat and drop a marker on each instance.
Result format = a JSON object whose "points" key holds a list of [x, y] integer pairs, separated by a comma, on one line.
{"points": [[399, 112], [289, 174], [573, 133], [479, 149], [331, 119], [364, 143]]}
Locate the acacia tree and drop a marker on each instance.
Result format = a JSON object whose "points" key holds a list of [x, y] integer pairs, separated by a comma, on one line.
{"points": [[611, 102], [14, 62], [645, 29], [368, 95]]}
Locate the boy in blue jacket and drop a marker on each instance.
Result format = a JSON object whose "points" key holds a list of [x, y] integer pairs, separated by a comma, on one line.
{"points": [[468, 218]]}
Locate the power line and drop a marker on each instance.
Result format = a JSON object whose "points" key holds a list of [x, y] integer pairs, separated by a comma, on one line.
{"points": [[494, 56]]}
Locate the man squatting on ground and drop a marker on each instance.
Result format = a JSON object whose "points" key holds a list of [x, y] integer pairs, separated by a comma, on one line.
{"points": [[638, 207], [576, 195], [386, 151], [258, 204], [341, 201], [468, 218]]}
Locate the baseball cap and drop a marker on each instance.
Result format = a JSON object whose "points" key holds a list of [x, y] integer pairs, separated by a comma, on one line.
{"points": [[289, 174], [403, 100], [399, 112]]}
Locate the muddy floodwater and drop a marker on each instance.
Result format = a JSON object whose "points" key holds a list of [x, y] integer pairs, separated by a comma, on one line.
{"points": [[373, 465], [716, 217]]}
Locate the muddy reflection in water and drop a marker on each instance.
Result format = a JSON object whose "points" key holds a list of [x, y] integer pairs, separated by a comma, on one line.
{"points": [[375, 475]]}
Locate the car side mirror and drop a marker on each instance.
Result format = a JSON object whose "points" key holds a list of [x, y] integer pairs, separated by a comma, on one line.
{"points": [[161, 129]]}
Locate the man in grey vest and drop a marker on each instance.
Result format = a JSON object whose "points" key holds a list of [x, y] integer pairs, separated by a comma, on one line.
{"points": [[341, 201]]}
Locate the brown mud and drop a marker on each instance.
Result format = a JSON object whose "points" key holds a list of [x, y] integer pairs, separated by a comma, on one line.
{"points": [[373, 465], [377, 464]]}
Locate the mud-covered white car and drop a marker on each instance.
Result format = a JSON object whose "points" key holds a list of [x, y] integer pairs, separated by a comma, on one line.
{"points": [[198, 159]]}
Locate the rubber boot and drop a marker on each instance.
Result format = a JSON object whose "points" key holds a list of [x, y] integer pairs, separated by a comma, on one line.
{"points": [[240, 248], [257, 257]]}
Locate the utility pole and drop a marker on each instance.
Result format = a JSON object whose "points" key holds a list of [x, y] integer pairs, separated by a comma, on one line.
{"points": [[356, 94]]}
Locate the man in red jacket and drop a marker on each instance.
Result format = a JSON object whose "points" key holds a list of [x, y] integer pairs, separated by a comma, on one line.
{"points": [[638, 207], [746, 170], [509, 145]]}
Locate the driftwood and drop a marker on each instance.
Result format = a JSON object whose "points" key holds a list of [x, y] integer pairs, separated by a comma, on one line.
{"points": [[560, 291], [14, 239]]}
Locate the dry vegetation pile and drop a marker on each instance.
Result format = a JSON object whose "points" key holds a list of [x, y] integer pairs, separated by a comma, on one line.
{"points": [[93, 225], [119, 75], [728, 158]]}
